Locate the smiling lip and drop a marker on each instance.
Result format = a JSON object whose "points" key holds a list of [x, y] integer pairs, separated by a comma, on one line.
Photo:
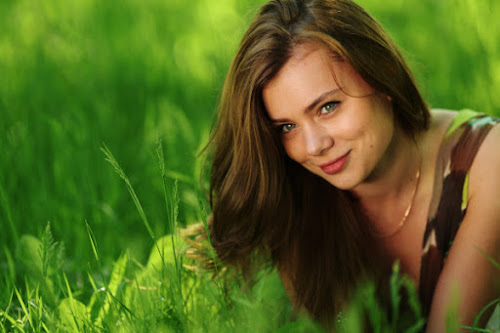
{"points": [[335, 166]]}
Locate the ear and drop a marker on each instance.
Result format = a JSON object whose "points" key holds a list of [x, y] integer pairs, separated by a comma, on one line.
{"points": [[389, 98]]}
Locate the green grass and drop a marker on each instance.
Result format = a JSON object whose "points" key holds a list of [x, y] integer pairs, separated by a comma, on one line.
{"points": [[80, 248]]}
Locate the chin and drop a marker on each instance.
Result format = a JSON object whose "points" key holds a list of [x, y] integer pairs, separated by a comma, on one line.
{"points": [[342, 180], [345, 185]]}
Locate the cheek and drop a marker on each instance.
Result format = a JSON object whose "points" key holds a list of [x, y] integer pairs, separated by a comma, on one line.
{"points": [[351, 128], [293, 149], [369, 119], [381, 133]]}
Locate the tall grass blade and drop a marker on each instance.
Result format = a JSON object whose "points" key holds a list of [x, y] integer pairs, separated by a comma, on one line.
{"points": [[417, 327], [68, 288], [207, 232], [487, 256], [6, 312], [173, 225], [38, 305], [172, 205], [9, 303], [475, 329], [180, 176], [111, 159], [10, 263], [4, 203], [483, 310], [94, 296], [93, 241], [24, 308], [13, 321], [115, 281], [395, 286]]}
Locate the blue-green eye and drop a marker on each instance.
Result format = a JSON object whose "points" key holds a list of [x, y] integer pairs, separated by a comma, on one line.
{"points": [[328, 107], [285, 128]]}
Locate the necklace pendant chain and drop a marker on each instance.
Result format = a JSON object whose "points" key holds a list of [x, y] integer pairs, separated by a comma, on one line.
{"points": [[410, 205]]}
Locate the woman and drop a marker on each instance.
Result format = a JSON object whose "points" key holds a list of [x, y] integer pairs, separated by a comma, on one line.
{"points": [[328, 163]]}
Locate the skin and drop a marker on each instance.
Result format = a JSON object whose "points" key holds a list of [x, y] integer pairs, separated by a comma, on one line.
{"points": [[326, 111]]}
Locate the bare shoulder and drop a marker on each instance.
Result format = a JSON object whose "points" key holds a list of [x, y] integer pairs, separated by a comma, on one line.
{"points": [[432, 138], [443, 113], [441, 118], [440, 121], [484, 173]]}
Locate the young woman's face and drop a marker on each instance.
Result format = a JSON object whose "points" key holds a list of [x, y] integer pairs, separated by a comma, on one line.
{"points": [[331, 121]]}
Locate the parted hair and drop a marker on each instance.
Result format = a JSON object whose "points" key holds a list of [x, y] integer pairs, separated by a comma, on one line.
{"points": [[266, 207]]}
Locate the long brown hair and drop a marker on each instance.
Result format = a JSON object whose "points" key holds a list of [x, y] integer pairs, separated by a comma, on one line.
{"points": [[266, 206]]}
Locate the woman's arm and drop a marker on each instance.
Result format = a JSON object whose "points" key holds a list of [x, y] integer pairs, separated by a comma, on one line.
{"points": [[469, 280]]}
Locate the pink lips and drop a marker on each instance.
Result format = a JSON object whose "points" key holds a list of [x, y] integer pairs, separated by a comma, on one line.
{"points": [[335, 166]]}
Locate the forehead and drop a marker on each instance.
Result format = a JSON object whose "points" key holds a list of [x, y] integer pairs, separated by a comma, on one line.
{"points": [[311, 71]]}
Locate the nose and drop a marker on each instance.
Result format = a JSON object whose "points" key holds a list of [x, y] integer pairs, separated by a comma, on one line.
{"points": [[317, 140]]}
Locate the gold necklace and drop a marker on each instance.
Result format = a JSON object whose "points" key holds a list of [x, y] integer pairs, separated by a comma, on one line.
{"points": [[410, 205]]}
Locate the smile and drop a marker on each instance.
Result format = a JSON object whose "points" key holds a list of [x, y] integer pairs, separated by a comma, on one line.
{"points": [[335, 166]]}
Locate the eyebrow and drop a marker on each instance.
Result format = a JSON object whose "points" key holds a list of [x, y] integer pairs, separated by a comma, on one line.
{"points": [[312, 105]]}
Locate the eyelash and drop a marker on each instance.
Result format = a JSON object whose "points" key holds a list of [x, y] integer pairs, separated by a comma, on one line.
{"points": [[281, 128], [333, 104]]}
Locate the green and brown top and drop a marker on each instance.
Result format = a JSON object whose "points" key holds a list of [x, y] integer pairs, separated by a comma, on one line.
{"points": [[449, 200]]}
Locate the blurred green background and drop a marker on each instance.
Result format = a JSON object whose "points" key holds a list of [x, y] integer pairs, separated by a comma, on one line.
{"points": [[77, 75]]}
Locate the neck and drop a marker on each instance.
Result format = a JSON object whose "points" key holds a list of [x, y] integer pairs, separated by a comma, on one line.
{"points": [[394, 176]]}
